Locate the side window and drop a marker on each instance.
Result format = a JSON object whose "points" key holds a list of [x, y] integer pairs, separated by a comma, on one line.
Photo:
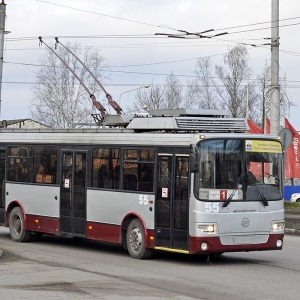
{"points": [[138, 170], [45, 164], [19, 164], [106, 168]]}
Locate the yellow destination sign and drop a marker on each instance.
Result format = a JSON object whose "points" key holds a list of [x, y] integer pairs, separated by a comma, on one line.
{"points": [[263, 146]]}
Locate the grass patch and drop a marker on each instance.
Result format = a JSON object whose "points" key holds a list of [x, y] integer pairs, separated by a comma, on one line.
{"points": [[292, 207]]}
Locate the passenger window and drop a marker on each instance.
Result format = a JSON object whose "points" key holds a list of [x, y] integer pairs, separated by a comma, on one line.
{"points": [[106, 168], [138, 170], [19, 164], [45, 164]]}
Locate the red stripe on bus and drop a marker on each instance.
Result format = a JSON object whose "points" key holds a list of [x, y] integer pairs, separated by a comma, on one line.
{"points": [[42, 224], [112, 233], [215, 246], [104, 232]]}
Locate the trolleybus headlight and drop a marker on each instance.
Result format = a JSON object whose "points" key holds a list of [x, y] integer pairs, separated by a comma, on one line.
{"points": [[277, 226], [279, 243], [207, 228]]}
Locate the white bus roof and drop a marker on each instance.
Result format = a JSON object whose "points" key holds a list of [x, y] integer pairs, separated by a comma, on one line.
{"points": [[87, 136], [178, 120], [160, 127]]}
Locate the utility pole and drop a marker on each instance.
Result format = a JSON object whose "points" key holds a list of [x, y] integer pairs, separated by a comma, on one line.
{"points": [[275, 89], [265, 99], [2, 32]]}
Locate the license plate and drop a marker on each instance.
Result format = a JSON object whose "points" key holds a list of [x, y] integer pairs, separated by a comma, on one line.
{"points": [[244, 239]]}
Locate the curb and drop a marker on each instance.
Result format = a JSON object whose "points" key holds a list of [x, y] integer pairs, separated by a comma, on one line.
{"points": [[292, 231]]}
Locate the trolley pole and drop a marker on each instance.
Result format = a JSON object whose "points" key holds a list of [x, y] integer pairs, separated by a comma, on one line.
{"points": [[275, 88], [2, 32]]}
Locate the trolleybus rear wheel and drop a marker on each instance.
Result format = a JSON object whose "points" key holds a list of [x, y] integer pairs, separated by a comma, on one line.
{"points": [[16, 226], [135, 240]]}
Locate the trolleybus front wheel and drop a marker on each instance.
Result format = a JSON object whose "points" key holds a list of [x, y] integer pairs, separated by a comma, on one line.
{"points": [[16, 226], [135, 240]]}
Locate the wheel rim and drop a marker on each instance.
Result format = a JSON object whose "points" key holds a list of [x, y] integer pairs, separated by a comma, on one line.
{"points": [[135, 239], [17, 225]]}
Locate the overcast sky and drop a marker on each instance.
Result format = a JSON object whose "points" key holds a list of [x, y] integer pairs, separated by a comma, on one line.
{"points": [[124, 31]]}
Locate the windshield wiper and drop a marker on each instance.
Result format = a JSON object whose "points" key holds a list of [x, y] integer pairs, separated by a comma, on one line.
{"points": [[253, 181], [263, 198], [239, 179]]}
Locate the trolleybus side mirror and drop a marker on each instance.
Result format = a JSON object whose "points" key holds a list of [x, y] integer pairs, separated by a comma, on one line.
{"points": [[193, 161]]}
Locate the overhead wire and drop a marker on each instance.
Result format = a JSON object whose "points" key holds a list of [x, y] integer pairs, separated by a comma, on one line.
{"points": [[169, 27], [158, 63], [153, 36], [96, 13], [157, 35], [140, 73], [160, 26], [259, 23], [295, 86]]}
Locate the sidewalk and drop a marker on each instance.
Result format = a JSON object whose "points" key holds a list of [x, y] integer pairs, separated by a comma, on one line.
{"points": [[292, 216], [292, 222]]}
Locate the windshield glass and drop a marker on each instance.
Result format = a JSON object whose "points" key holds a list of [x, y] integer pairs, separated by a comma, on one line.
{"points": [[239, 169]]}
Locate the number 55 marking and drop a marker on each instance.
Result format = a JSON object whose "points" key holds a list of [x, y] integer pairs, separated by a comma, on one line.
{"points": [[212, 207], [143, 199]]}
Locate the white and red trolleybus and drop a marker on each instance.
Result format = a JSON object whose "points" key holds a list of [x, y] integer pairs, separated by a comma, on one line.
{"points": [[183, 181]]}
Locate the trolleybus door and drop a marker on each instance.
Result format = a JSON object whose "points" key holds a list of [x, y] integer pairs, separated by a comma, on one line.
{"points": [[2, 185], [172, 202], [73, 193]]}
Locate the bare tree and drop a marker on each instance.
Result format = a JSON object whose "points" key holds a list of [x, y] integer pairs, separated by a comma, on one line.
{"points": [[230, 89], [254, 103], [147, 100], [201, 92], [233, 75], [265, 91], [58, 98], [156, 97], [173, 92]]}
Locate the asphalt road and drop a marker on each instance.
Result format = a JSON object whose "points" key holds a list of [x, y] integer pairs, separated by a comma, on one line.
{"points": [[64, 268]]}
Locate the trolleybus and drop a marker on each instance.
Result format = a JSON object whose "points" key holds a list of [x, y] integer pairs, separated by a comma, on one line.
{"points": [[187, 181]]}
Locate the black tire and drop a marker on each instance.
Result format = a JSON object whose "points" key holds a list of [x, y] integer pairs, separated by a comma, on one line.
{"points": [[135, 241], [16, 226], [298, 200]]}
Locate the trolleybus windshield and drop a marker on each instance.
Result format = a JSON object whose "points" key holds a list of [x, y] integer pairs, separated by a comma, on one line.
{"points": [[239, 169]]}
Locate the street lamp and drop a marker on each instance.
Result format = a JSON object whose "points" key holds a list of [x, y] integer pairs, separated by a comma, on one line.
{"points": [[141, 87]]}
